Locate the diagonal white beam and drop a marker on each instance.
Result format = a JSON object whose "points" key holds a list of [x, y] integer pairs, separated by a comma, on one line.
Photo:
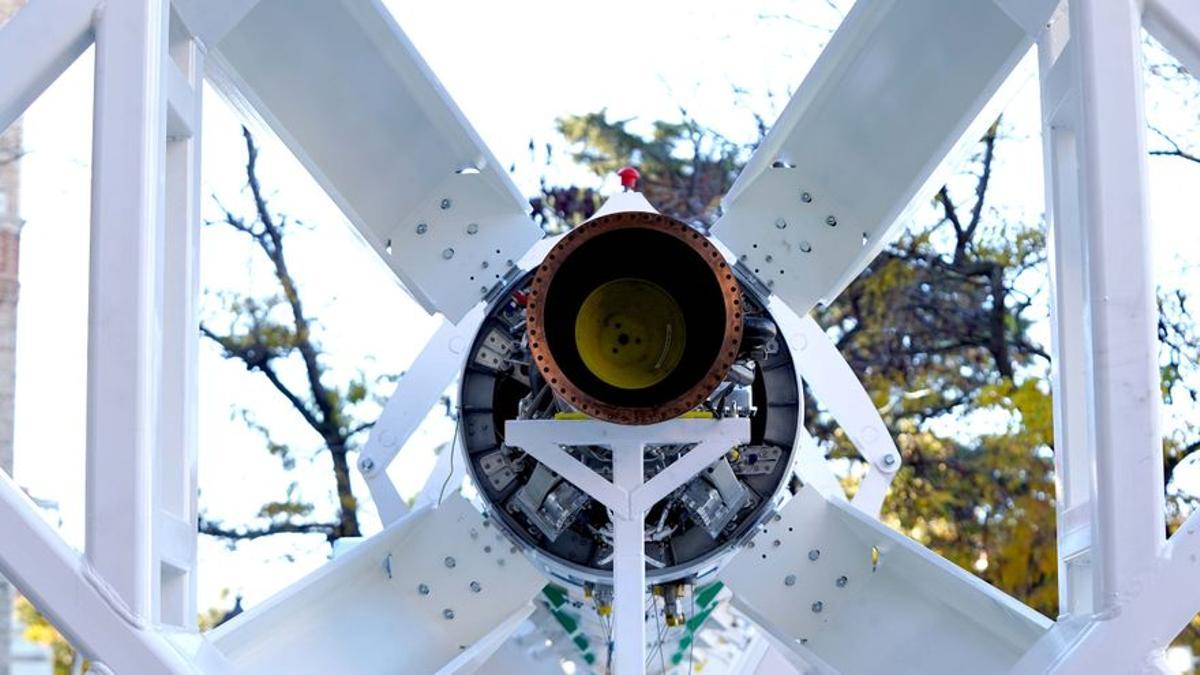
{"points": [[36, 46], [1176, 24]]}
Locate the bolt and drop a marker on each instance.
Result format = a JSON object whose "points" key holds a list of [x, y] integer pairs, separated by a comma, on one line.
{"points": [[789, 580], [366, 465], [814, 554], [777, 518], [475, 587], [769, 258], [472, 228], [422, 228], [450, 562], [831, 221], [448, 614], [842, 581], [445, 203], [509, 263], [448, 253], [776, 543], [487, 549], [805, 246], [781, 223], [817, 607], [484, 264], [889, 459], [423, 589], [805, 197]]}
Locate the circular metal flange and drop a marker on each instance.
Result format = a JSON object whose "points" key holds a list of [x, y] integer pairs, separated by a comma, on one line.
{"points": [[569, 391]]}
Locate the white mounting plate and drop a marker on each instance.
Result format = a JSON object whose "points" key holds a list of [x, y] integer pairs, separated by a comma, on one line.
{"points": [[365, 612], [347, 92], [889, 97], [911, 594]]}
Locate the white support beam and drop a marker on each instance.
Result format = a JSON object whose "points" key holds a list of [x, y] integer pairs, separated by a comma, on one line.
{"points": [[1176, 24], [36, 46], [125, 315], [62, 585]]}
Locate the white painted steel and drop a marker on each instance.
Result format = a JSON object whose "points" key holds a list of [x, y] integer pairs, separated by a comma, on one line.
{"points": [[365, 612], [628, 496], [73, 596], [36, 46], [125, 311], [384, 139], [789, 583], [1176, 24], [887, 100], [835, 385]]}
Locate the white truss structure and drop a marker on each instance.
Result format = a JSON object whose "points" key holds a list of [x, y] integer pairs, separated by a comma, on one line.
{"points": [[128, 601]]}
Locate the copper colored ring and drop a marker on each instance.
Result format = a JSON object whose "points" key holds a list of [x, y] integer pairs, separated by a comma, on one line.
{"points": [[567, 390]]}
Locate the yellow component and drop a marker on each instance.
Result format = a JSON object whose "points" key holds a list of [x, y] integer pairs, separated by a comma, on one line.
{"points": [[587, 590], [630, 333], [604, 610], [570, 415], [734, 455], [697, 415]]}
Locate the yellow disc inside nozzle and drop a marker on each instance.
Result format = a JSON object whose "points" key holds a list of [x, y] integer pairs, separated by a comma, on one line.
{"points": [[630, 333]]}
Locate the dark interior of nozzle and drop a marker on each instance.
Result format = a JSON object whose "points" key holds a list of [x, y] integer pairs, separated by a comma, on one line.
{"points": [[639, 254]]}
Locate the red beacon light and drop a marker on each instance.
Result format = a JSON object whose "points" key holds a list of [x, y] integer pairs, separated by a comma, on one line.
{"points": [[629, 177]]}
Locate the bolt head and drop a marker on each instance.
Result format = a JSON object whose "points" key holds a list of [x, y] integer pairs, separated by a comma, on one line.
{"points": [[814, 554], [445, 204], [805, 197], [842, 581], [781, 223], [805, 246], [366, 465], [817, 607], [423, 589], [831, 221], [472, 228], [450, 562], [789, 580], [448, 614], [448, 253], [422, 228], [476, 587], [889, 459]]}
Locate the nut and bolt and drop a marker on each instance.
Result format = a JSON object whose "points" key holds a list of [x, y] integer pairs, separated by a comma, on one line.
{"points": [[814, 554], [472, 228], [781, 223], [445, 203], [806, 197], [448, 253], [817, 607], [842, 581], [366, 465], [448, 614], [422, 228], [889, 460], [789, 580], [450, 562], [805, 246], [831, 221], [423, 589], [475, 587]]}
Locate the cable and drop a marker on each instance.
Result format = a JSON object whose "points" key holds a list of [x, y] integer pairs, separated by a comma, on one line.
{"points": [[453, 447]]}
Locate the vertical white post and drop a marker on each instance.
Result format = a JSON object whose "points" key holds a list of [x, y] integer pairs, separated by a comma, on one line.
{"points": [[125, 319], [629, 567], [1109, 452], [174, 536]]}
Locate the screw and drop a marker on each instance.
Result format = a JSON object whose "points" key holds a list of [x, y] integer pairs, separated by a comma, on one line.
{"points": [[487, 549], [831, 221], [509, 263], [789, 580], [366, 465], [842, 581], [475, 587], [448, 614], [814, 554], [889, 459], [422, 228], [423, 589], [484, 264], [805, 246], [817, 607], [805, 197], [776, 543], [472, 228], [448, 253], [451, 563], [445, 204], [777, 518], [769, 258], [781, 223]]}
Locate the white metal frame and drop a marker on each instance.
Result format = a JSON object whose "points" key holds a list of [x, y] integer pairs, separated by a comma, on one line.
{"points": [[1126, 589]]}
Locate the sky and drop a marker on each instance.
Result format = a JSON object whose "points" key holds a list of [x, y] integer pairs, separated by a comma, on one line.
{"points": [[513, 68]]}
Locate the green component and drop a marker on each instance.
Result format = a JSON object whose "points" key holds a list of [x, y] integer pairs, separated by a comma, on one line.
{"points": [[685, 642], [568, 622], [590, 658], [706, 594], [555, 594], [676, 658], [697, 621], [581, 642]]}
